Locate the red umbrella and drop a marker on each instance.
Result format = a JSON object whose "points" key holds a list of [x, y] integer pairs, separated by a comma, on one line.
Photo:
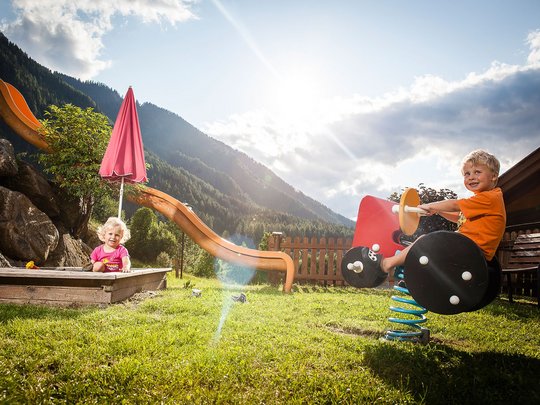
{"points": [[124, 158]]}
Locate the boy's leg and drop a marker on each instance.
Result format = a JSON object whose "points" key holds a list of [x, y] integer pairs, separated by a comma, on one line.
{"points": [[388, 263]]}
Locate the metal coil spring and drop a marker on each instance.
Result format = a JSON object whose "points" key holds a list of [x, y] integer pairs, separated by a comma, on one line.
{"points": [[415, 333]]}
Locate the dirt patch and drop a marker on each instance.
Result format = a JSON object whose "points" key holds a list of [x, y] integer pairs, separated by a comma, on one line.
{"points": [[137, 298], [351, 331]]}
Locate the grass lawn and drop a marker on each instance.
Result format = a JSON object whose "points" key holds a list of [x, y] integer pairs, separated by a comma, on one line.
{"points": [[317, 345]]}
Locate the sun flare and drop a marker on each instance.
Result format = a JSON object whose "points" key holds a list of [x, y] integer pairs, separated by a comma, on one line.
{"points": [[296, 93]]}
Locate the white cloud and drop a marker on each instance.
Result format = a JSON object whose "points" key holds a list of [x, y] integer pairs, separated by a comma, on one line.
{"points": [[358, 146], [66, 35], [534, 42]]}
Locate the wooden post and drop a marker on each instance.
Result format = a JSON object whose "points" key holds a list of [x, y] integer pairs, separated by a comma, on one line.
{"points": [[181, 256], [277, 240], [175, 266], [273, 277]]}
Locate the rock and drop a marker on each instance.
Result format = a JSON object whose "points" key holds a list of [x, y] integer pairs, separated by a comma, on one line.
{"points": [[28, 205], [70, 252], [8, 162], [91, 237], [4, 262], [71, 216], [35, 186], [25, 232]]}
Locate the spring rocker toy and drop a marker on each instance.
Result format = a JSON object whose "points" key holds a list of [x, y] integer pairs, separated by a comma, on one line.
{"points": [[444, 272]]}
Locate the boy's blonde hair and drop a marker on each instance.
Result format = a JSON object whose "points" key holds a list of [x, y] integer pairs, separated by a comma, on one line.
{"points": [[113, 222], [482, 157]]}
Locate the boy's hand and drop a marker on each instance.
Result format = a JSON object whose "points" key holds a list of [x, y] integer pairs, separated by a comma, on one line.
{"points": [[445, 208], [427, 208]]}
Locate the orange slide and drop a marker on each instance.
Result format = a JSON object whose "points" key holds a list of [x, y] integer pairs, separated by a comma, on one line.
{"points": [[17, 114]]}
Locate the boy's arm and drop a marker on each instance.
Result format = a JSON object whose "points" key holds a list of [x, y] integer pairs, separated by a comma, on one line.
{"points": [[451, 216], [443, 208]]}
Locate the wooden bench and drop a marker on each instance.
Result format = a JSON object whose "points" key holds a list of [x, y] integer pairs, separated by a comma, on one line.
{"points": [[520, 256]]}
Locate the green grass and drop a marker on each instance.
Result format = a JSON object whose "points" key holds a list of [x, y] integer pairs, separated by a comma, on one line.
{"points": [[317, 345]]}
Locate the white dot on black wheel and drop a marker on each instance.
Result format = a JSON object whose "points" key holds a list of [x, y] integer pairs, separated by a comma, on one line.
{"points": [[454, 300], [358, 266]]}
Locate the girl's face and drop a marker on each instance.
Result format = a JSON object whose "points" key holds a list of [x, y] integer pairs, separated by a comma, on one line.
{"points": [[113, 236], [478, 178]]}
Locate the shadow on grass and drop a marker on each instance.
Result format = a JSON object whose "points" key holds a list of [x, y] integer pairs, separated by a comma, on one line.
{"points": [[437, 374], [315, 288], [9, 312], [522, 310]]}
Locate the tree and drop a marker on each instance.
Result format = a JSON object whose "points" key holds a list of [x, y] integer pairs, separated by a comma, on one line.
{"points": [[78, 139], [164, 260], [103, 207], [149, 237], [186, 251], [205, 265], [433, 222]]}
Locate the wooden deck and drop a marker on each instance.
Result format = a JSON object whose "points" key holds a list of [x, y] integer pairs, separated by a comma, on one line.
{"points": [[69, 286]]}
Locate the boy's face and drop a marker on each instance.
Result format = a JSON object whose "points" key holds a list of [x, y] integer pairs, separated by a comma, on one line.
{"points": [[478, 177], [113, 236]]}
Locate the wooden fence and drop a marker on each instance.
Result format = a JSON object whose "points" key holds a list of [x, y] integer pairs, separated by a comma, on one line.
{"points": [[318, 261], [315, 261], [524, 284]]}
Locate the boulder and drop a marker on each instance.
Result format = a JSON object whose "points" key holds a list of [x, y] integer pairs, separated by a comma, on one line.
{"points": [[8, 162], [71, 209], [4, 262], [70, 252], [25, 232], [91, 237], [35, 186]]}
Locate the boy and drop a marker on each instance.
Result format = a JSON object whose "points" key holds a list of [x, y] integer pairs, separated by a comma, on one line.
{"points": [[481, 217]]}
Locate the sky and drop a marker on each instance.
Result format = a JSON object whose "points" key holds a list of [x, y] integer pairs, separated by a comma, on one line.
{"points": [[341, 99]]}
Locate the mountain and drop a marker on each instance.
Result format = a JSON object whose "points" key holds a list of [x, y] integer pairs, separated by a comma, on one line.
{"points": [[227, 188]]}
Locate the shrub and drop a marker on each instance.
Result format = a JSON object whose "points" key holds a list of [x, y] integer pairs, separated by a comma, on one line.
{"points": [[164, 260], [204, 266]]}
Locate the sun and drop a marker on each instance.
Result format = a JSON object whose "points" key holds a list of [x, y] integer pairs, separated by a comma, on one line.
{"points": [[296, 92]]}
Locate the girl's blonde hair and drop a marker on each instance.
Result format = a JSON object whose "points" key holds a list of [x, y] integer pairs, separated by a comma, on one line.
{"points": [[113, 222], [482, 157]]}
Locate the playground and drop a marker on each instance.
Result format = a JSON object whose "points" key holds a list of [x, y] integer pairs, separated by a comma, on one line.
{"points": [[58, 286], [198, 341], [316, 345]]}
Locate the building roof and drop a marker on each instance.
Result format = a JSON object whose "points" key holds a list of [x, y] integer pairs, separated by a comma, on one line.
{"points": [[521, 188]]}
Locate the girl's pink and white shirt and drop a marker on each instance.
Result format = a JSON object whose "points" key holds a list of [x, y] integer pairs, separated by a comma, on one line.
{"points": [[111, 260]]}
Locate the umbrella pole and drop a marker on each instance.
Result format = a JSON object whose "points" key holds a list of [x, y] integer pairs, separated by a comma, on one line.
{"points": [[121, 195]]}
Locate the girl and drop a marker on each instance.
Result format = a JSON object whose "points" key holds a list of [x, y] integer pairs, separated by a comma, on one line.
{"points": [[112, 256]]}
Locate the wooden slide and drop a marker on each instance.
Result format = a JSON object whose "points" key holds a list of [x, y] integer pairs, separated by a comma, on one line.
{"points": [[17, 114]]}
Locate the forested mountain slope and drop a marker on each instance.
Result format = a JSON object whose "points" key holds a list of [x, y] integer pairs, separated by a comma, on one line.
{"points": [[227, 188]]}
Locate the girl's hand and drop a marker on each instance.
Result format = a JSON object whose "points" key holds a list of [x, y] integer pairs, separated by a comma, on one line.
{"points": [[126, 265]]}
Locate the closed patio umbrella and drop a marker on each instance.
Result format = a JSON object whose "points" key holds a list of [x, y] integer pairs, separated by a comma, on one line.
{"points": [[124, 158]]}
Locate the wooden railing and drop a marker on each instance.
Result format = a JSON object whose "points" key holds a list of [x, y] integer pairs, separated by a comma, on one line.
{"points": [[318, 261], [523, 284]]}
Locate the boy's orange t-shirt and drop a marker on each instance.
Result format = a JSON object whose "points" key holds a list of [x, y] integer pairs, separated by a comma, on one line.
{"points": [[483, 219]]}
